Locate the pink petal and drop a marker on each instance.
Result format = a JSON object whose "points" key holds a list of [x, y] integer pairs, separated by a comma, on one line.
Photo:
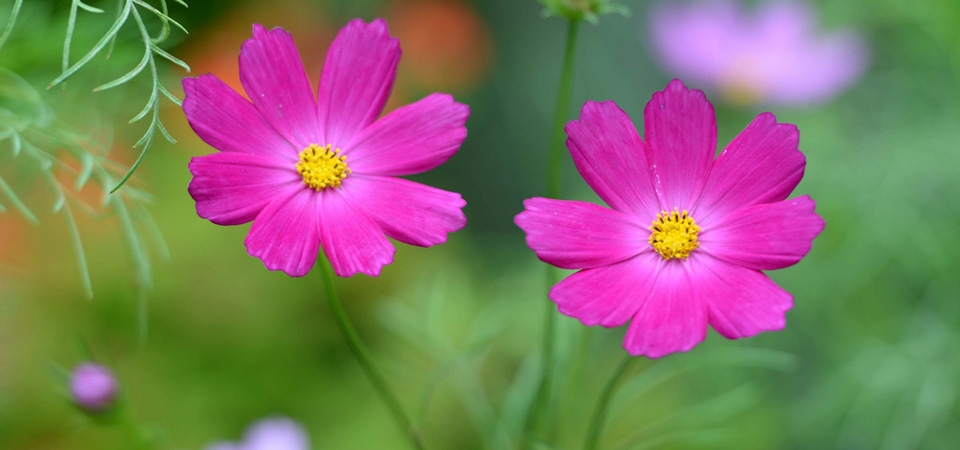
{"points": [[273, 76], [762, 165], [409, 212], [284, 235], [411, 139], [232, 188], [357, 78], [580, 235], [681, 136], [608, 295], [674, 317], [742, 302], [610, 156], [352, 241], [832, 63], [765, 237], [228, 122]]}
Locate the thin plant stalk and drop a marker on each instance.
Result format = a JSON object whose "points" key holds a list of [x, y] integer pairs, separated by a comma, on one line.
{"points": [[554, 183], [365, 358], [603, 405]]}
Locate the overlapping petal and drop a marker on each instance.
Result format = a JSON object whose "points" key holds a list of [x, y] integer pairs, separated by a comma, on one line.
{"points": [[228, 122], [608, 295], [674, 316], [409, 212], [273, 76], [762, 165], [232, 188], [357, 78], [580, 235], [742, 302], [285, 234], [412, 139], [681, 133], [766, 236], [352, 241], [610, 156]]}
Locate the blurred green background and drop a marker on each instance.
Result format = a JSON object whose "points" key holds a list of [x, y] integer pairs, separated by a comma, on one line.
{"points": [[870, 358]]}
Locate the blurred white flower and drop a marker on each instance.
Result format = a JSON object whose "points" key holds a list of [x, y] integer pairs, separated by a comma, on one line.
{"points": [[274, 433]]}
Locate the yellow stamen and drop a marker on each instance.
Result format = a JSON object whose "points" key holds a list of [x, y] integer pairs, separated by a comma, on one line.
{"points": [[322, 168], [674, 234]]}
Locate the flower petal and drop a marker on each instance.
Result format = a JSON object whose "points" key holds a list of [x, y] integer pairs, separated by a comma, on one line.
{"points": [[232, 188], [411, 139], [352, 241], [608, 295], [742, 302], [357, 78], [673, 318], [762, 165], [610, 156], [273, 76], [831, 63], [409, 212], [580, 235], [228, 122], [681, 133], [765, 237], [284, 235]]}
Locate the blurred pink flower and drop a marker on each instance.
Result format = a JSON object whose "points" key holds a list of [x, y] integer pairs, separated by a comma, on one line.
{"points": [[773, 56], [688, 235], [283, 160], [275, 433], [93, 387]]}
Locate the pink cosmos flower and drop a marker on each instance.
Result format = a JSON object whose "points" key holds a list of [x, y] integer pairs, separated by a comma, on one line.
{"points": [[320, 170], [773, 56], [686, 236]]}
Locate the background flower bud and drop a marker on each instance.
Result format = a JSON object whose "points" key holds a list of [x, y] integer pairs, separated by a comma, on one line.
{"points": [[93, 387], [589, 10]]}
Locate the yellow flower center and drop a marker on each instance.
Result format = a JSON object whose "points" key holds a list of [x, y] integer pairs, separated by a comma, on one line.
{"points": [[322, 168], [674, 234]]}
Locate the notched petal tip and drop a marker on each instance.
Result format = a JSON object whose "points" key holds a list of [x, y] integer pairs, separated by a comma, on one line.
{"points": [[678, 89], [657, 353], [376, 29]]}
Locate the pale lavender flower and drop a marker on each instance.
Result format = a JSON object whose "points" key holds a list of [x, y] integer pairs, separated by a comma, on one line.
{"points": [[771, 56], [93, 387], [274, 433]]}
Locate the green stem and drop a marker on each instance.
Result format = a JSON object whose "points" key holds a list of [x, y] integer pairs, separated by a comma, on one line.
{"points": [[555, 157], [600, 413], [554, 187], [366, 359]]}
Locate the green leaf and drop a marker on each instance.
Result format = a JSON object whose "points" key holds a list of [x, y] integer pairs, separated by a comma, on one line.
{"points": [[170, 57], [87, 7], [129, 75], [17, 203], [111, 32], [13, 20]]}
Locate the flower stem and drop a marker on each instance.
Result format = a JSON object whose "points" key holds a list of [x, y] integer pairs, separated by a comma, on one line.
{"points": [[603, 403], [554, 183], [365, 358], [555, 157]]}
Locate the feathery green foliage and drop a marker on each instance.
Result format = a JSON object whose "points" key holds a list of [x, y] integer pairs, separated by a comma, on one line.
{"points": [[131, 11], [45, 147]]}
